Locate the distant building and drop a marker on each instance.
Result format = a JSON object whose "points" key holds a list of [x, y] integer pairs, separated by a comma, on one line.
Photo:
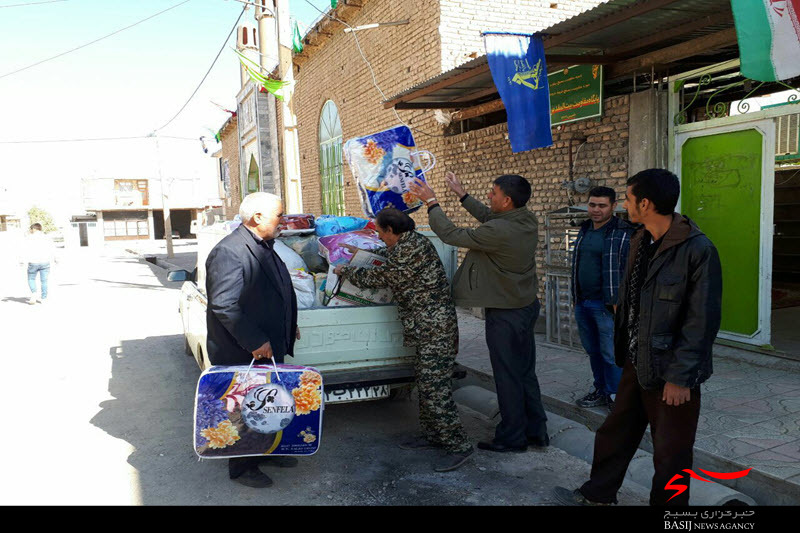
{"points": [[229, 167], [131, 209]]}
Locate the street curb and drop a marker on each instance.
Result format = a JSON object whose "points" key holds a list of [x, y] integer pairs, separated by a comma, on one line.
{"points": [[166, 265], [477, 392]]}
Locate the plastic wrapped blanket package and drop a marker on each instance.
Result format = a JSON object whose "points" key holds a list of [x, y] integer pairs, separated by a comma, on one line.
{"points": [[342, 293], [331, 248], [304, 288], [331, 225], [268, 410], [302, 224], [383, 165], [307, 246]]}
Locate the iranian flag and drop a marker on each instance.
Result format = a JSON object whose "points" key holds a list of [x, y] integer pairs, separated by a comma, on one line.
{"points": [[768, 32]]}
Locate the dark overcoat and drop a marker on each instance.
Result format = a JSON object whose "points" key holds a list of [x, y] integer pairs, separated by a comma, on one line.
{"points": [[250, 300]]}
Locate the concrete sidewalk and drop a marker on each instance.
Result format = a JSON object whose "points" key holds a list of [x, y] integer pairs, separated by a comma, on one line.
{"points": [[750, 414], [184, 252]]}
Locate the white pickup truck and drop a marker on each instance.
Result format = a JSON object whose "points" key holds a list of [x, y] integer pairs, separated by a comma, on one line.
{"points": [[358, 350]]}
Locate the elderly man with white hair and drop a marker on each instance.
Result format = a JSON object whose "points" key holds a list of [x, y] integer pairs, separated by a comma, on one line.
{"points": [[252, 308]]}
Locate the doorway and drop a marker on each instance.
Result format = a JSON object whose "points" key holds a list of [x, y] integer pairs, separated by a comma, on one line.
{"points": [[727, 182]]}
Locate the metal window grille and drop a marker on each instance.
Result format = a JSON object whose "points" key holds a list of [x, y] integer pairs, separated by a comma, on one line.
{"points": [[561, 232], [330, 160]]}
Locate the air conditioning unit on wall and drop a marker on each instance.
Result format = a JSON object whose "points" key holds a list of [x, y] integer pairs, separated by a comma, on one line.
{"points": [[787, 136]]}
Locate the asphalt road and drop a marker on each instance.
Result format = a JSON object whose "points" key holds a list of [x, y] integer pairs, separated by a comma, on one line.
{"points": [[99, 405]]}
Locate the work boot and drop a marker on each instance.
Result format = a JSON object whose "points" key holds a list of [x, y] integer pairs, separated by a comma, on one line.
{"points": [[452, 460], [32, 300], [593, 399], [573, 497], [418, 443]]}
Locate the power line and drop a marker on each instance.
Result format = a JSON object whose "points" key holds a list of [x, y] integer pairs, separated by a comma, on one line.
{"points": [[34, 3], [92, 42], [42, 141], [208, 71]]}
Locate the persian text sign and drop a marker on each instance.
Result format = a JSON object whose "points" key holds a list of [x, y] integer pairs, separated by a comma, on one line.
{"points": [[576, 93]]}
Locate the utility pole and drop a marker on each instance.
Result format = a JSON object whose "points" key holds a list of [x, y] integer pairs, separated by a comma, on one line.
{"points": [[164, 201], [291, 147], [274, 40]]}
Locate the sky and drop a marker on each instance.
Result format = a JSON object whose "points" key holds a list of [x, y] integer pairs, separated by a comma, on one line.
{"points": [[126, 85]]}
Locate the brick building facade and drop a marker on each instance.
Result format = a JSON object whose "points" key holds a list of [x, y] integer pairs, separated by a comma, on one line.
{"points": [[446, 33], [229, 164]]}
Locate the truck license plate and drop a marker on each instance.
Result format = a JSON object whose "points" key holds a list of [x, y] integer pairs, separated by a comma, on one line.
{"points": [[355, 394]]}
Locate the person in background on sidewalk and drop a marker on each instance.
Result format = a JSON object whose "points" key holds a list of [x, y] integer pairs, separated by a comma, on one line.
{"points": [[598, 264], [416, 276], [668, 316], [39, 252], [499, 274], [252, 307]]}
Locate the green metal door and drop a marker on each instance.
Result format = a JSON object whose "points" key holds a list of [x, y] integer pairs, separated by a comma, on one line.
{"points": [[721, 189]]}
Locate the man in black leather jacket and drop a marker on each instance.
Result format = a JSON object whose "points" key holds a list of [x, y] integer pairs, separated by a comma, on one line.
{"points": [[667, 318]]}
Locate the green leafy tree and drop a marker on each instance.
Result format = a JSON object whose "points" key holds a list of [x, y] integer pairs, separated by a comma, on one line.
{"points": [[37, 214]]}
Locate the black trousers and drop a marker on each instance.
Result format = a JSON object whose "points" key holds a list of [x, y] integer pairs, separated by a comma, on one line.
{"points": [[673, 429], [509, 336]]}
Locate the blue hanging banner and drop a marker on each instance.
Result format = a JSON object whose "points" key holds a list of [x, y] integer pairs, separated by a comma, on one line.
{"points": [[519, 72]]}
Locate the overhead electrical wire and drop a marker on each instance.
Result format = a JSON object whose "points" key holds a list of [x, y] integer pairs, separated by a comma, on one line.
{"points": [[207, 72], [162, 127], [34, 3], [92, 42], [41, 141]]}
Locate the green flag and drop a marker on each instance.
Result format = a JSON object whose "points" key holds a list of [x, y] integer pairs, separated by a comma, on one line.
{"points": [[275, 87], [297, 41]]}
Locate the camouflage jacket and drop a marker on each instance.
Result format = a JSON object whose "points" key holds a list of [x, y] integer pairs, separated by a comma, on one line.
{"points": [[416, 277]]}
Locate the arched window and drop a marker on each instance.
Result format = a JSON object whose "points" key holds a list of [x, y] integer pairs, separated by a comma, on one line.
{"points": [[244, 35], [253, 175], [330, 160]]}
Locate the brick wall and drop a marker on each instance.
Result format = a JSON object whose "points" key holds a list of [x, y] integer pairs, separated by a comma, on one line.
{"points": [[335, 71], [462, 22], [479, 156], [230, 153], [401, 56]]}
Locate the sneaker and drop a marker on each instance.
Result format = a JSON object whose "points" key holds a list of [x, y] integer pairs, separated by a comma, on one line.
{"points": [[609, 403], [593, 399], [573, 497], [451, 461], [32, 300], [418, 443]]}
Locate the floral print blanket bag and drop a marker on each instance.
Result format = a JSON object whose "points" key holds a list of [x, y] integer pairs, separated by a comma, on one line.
{"points": [[243, 411], [383, 165]]}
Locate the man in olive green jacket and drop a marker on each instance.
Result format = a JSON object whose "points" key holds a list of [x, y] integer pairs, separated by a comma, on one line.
{"points": [[499, 274]]}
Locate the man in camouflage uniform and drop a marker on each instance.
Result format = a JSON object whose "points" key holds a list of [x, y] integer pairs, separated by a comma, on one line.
{"points": [[416, 277]]}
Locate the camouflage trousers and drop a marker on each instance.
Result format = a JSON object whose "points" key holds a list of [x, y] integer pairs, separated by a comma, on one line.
{"points": [[438, 415]]}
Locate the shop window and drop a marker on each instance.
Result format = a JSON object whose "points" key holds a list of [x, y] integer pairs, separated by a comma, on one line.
{"points": [[330, 160]]}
